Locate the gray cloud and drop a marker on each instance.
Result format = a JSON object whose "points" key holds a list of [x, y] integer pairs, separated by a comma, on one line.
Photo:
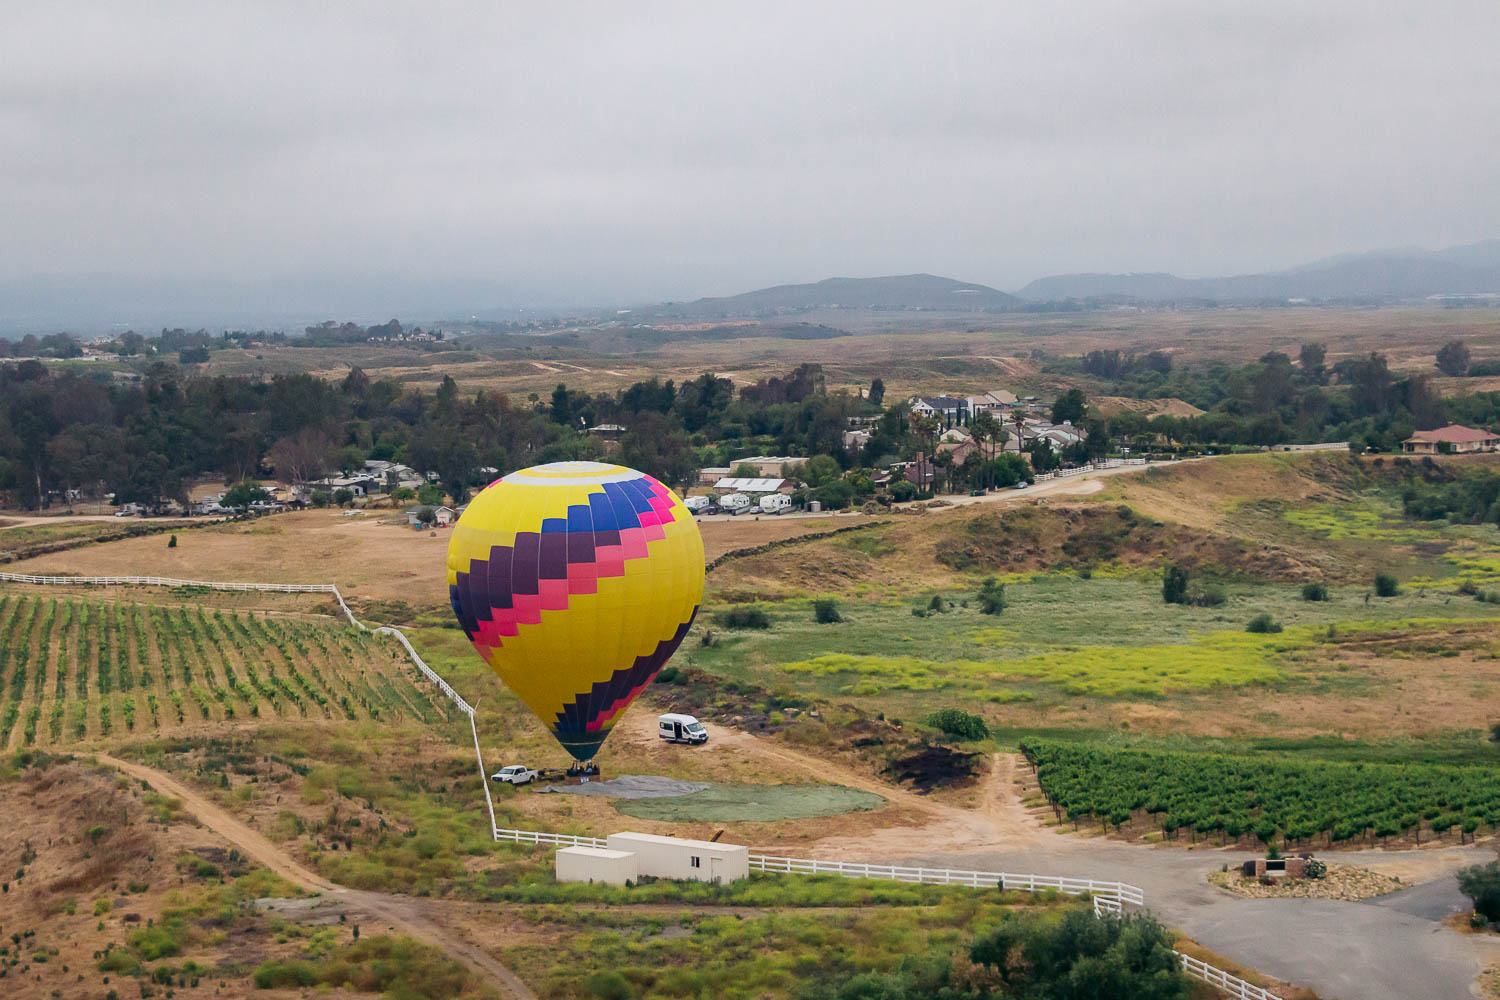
{"points": [[597, 152]]}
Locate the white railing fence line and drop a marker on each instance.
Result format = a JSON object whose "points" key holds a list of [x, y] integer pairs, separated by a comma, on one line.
{"points": [[1119, 891], [544, 837], [1234, 986]]}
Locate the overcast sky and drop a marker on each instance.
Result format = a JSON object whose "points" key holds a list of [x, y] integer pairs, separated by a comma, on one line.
{"points": [[507, 153]]}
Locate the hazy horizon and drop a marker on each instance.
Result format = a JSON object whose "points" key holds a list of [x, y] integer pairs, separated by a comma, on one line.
{"points": [[367, 161]]}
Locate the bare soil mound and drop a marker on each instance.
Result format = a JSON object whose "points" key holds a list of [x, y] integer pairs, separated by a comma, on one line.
{"points": [[1169, 406]]}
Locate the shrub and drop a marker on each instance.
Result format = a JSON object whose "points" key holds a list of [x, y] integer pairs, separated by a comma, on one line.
{"points": [[991, 597], [1210, 595], [172, 542], [743, 618], [608, 984], [826, 611], [937, 605], [1315, 868], [1174, 583], [671, 675], [1263, 623], [1468, 588], [1386, 585], [1314, 592], [1481, 883], [903, 491], [959, 724]]}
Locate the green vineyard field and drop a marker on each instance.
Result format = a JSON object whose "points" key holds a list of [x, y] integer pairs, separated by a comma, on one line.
{"points": [[1273, 799], [76, 670]]}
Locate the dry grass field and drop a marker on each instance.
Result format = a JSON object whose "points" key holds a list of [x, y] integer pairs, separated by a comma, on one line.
{"points": [[915, 353]]}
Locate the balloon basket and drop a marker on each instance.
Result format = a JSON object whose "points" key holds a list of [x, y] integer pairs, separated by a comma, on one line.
{"points": [[582, 775]]}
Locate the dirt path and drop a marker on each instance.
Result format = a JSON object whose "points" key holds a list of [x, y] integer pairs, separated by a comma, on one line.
{"points": [[398, 913]]}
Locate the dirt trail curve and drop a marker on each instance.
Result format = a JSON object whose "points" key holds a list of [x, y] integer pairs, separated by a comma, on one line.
{"points": [[400, 913]]}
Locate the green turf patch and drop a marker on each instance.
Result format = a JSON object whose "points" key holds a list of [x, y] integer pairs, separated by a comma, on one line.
{"points": [[752, 803]]}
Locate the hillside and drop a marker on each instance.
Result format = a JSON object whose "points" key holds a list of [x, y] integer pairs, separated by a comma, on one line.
{"points": [[907, 292], [1376, 276]]}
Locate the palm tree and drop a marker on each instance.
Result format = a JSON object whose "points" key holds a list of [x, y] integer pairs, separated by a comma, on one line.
{"points": [[1019, 419]]}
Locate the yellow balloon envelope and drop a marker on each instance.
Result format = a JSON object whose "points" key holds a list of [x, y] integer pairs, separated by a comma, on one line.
{"points": [[576, 581]]}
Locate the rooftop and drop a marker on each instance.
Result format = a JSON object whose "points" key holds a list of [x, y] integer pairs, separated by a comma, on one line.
{"points": [[1453, 434]]}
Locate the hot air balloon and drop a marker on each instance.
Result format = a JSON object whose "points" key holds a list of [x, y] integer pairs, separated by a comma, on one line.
{"points": [[576, 581]]}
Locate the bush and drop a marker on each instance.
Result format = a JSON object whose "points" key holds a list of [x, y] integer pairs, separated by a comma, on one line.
{"points": [[826, 611], [959, 724], [172, 542], [671, 675], [991, 597], [1174, 583], [608, 985], [1314, 592], [1210, 595], [1481, 883], [937, 605], [1263, 623], [903, 491], [743, 618], [1315, 868], [1468, 588], [1386, 585]]}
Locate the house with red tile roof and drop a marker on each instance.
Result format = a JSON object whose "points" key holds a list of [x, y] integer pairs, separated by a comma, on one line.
{"points": [[1453, 439]]}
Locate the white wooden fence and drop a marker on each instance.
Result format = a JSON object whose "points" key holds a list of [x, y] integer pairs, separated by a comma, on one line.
{"points": [[1109, 898], [1108, 463], [1219, 979]]}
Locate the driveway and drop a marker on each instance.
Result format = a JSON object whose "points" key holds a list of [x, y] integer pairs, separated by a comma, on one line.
{"points": [[1390, 948]]}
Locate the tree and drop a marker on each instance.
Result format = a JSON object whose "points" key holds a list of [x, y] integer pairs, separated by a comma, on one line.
{"points": [[427, 515], [1174, 583], [1481, 883], [1386, 585], [1311, 359], [562, 408], [747, 471], [303, 456], [826, 611], [343, 496], [1038, 957], [245, 493], [1453, 358], [429, 494], [818, 470], [1070, 406], [991, 596], [877, 392]]}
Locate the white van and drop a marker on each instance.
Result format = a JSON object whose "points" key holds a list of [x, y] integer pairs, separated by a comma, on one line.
{"points": [[675, 728], [775, 503], [734, 503]]}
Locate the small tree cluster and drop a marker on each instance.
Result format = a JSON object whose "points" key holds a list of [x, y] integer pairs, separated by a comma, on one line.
{"points": [[959, 724], [826, 611], [991, 596]]}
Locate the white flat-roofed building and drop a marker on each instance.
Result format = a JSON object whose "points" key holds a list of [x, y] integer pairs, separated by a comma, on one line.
{"points": [[673, 857], [596, 864]]}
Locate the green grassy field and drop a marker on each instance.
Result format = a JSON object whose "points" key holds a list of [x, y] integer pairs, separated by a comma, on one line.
{"points": [[1061, 635]]}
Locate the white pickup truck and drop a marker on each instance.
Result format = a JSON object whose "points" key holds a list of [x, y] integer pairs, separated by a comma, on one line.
{"points": [[515, 774]]}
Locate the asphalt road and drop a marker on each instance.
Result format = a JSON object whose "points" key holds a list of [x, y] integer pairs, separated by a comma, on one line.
{"points": [[1390, 948]]}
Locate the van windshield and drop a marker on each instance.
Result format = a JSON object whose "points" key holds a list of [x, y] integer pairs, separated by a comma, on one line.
{"points": [[694, 727]]}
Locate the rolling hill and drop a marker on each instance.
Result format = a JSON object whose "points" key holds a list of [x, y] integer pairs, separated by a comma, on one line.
{"points": [[914, 292], [1379, 275]]}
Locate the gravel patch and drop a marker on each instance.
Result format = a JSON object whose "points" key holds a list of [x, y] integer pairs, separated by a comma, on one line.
{"points": [[632, 786], [1346, 882]]}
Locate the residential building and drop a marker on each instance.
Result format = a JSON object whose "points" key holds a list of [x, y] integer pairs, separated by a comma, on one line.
{"points": [[950, 408], [1454, 438], [441, 517], [765, 465]]}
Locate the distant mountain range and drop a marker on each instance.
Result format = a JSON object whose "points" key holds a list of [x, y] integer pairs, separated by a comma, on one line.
{"points": [[899, 292], [1377, 276]]}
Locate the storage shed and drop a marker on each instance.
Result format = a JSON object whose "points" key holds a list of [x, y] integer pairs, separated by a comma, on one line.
{"points": [[595, 864], [673, 857]]}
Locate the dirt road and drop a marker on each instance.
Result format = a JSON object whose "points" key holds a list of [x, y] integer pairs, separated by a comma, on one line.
{"points": [[398, 913]]}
